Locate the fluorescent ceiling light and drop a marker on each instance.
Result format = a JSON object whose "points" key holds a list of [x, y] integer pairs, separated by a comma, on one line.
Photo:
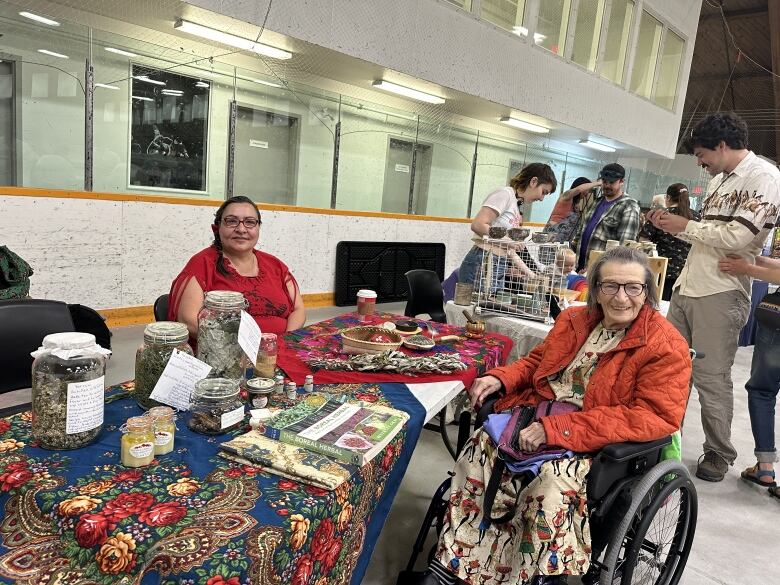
{"points": [[263, 82], [53, 54], [39, 18], [146, 79], [142, 98], [597, 146], [106, 86], [408, 92], [227, 39], [201, 84], [121, 52], [521, 31], [172, 92], [524, 125]]}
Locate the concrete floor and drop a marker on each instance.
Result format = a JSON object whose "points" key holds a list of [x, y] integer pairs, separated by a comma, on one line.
{"points": [[736, 520]]}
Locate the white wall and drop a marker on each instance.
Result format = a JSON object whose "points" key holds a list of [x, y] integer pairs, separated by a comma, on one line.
{"points": [[110, 254], [432, 40]]}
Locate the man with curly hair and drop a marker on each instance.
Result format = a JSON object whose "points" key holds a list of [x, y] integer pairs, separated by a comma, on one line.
{"points": [[708, 306]]}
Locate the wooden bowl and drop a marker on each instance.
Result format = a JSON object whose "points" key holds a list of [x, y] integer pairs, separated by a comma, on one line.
{"points": [[497, 232], [518, 234], [356, 340]]}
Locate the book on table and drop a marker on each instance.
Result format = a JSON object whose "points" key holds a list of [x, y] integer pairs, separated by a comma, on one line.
{"points": [[349, 432]]}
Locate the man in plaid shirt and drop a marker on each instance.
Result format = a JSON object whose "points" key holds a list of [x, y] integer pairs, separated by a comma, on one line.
{"points": [[611, 215]]}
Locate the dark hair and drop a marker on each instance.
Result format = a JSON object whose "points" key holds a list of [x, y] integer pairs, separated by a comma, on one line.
{"points": [[621, 255], [678, 194], [723, 126], [543, 173], [579, 181], [218, 219], [576, 199]]}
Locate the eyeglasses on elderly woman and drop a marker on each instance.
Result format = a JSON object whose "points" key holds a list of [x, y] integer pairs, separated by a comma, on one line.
{"points": [[249, 222], [633, 289]]}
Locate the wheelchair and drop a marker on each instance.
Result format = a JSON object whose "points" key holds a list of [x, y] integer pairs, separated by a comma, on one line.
{"points": [[642, 513]]}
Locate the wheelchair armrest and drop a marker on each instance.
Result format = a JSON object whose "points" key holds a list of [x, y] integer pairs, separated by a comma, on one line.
{"points": [[625, 451]]}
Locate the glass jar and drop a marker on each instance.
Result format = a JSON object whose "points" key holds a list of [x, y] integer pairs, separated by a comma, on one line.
{"points": [[68, 390], [265, 365], [218, 323], [164, 427], [137, 447], [215, 407], [160, 339], [259, 389]]}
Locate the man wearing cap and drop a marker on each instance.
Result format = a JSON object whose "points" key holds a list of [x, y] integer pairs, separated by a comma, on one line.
{"points": [[612, 215], [709, 307]]}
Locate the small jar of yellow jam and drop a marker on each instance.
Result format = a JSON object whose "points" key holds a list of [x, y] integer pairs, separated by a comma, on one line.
{"points": [[164, 427], [137, 442]]}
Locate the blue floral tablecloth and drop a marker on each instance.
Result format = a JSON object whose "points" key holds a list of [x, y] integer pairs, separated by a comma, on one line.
{"points": [[191, 517]]}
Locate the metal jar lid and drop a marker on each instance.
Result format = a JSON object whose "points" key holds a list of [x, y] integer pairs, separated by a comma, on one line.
{"points": [[166, 333]]}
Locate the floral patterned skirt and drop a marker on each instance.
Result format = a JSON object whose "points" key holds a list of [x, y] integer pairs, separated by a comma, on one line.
{"points": [[549, 534]]}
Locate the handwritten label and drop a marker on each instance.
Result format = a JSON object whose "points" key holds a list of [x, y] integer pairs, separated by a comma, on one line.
{"points": [[258, 143], [249, 335], [401, 168], [85, 405], [177, 382], [233, 417]]}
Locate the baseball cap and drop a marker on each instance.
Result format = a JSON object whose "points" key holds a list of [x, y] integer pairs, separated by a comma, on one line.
{"points": [[612, 172]]}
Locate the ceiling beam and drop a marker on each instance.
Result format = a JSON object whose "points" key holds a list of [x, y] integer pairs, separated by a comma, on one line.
{"points": [[734, 14], [723, 76], [774, 33]]}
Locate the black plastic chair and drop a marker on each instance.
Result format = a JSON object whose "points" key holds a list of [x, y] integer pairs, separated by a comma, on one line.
{"points": [[161, 308], [23, 325], [425, 295]]}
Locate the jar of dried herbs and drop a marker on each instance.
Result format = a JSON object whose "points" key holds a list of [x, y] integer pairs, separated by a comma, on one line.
{"points": [[68, 390], [160, 339], [218, 323], [215, 407]]}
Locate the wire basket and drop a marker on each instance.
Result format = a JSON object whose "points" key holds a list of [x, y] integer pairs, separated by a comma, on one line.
{"points": [[521, 278]]}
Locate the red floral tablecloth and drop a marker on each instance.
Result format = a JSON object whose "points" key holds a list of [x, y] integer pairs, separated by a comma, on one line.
{"points": [[323, 341]]}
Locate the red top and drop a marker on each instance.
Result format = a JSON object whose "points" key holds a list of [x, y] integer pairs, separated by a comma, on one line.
{"points": [[561, 210], [269, 300]]}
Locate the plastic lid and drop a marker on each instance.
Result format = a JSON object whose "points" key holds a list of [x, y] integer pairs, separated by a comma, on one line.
{"points": [[165, 332], [69, 340], [366, 293]]}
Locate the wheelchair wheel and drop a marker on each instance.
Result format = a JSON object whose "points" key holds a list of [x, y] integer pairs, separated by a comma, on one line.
{"points": [[651, 544]]}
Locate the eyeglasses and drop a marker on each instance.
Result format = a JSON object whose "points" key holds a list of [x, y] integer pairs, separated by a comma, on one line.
{"points": [[633, 289], [250, 223]]}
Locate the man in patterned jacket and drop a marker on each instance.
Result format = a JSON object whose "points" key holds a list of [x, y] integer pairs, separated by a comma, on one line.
{"points": [[708, 306], [611, 215]]}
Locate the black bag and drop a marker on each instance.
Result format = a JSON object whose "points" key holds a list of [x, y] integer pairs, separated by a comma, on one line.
{"points": [[88, 320], [768, 311]]}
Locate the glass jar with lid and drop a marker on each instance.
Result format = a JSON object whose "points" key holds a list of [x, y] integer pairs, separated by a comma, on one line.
{"points": [[164, 428], [68, 390], [215, 407], [160, 339], [218, 323], [137, 448]]}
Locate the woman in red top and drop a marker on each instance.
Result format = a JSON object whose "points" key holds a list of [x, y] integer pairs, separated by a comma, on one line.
{"points": [[232, 263]]}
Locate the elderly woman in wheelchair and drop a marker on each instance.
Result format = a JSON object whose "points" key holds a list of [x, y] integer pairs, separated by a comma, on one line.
{"points": [[622, 372]]}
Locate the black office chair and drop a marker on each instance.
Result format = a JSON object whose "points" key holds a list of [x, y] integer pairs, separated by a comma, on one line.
{"points": [[161, 308], [425, 295], [23, 325]]}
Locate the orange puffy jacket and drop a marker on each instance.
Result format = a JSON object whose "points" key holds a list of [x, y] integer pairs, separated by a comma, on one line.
{"points": [[638, 391]]}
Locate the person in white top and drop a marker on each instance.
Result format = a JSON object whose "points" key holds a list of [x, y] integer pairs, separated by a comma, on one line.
{"points": [[709, 306], [500, 209]]}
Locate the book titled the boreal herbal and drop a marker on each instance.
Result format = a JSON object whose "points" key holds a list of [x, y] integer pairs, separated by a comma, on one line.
{"points": [[348, 432]]}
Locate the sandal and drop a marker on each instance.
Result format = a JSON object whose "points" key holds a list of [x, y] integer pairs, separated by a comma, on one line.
{"points": [[755, 475]]}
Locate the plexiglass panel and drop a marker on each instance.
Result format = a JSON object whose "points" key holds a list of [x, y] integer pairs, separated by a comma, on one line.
{"points": [[617, 34], [646, 56], [552, 25], [587, 32], [669, 70], [508, 14]]}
